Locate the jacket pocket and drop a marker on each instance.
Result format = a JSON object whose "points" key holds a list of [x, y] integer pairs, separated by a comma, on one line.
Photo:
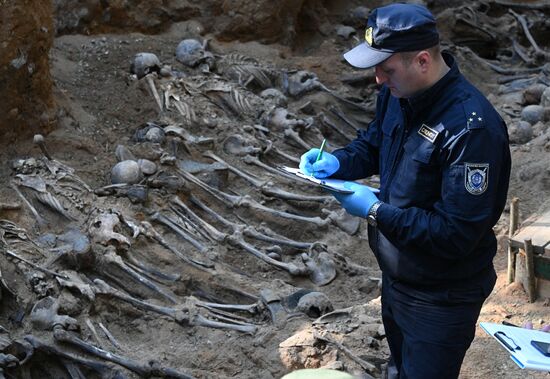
{"points": [[418, 177]]}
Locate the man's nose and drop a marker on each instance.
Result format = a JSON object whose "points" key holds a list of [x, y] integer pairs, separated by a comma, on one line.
{"points": [[379, 75]]}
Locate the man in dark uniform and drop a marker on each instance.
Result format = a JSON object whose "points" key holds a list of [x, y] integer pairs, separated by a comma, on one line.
{"points": [[442, 154]]}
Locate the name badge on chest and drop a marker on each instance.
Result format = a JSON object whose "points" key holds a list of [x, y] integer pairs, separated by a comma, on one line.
{"points": [[428, 133]]}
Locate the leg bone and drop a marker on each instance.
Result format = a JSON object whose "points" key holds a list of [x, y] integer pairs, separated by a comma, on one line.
{"points": [[150, 232], [111, 257], [154, 91], [181, 315], [173, 225], [144, 370], [247, 202], [248, 230], [40, 141], [236, 239], [267, 187], [105, 371]]}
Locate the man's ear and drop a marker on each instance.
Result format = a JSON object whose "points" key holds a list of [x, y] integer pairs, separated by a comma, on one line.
{"points": [[424, 60]]}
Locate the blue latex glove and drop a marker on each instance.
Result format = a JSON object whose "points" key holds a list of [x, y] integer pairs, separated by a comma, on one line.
{"points": [[325, 167], [359, 202]]}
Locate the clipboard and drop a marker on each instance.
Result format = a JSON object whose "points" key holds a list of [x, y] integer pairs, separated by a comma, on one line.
{"points": [[335, 185], [518, 343]]}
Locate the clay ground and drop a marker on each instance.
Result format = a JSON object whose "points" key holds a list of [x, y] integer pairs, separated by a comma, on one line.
{"points": [[101, 108]]}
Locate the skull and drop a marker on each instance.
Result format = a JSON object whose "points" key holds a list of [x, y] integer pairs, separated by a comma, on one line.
{"points": [[314, 304], [145, 63], [238, 145], [302, 82], [282, 119], [103, 228], [190, 52]]}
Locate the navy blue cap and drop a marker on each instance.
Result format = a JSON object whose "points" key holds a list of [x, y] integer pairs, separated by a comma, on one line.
{"points": [[391, 29]]}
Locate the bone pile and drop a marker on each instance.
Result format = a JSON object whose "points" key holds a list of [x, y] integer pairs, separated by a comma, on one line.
{"points": [[196, 225]]}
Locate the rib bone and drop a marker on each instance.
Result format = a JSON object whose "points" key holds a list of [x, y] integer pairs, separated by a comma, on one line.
{"points": [[39, 219]]}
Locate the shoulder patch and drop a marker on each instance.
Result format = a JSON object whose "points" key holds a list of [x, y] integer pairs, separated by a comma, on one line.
{"points": [[476, 177], [473, 114]]}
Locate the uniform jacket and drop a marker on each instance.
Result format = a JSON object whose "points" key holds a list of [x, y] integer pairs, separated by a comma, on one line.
{"points": [[444, 165]]}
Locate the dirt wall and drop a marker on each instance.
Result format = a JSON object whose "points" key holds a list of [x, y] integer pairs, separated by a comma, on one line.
{"points": [[101, 16], [26, 37], [246, 20]]}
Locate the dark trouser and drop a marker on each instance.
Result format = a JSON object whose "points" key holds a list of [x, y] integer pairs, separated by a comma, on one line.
{"points": [[428, 331]]}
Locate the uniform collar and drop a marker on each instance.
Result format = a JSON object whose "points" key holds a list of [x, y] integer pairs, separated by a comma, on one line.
{"points": [[419, 102]]}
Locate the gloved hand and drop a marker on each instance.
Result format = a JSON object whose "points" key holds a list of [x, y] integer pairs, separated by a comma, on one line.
{"points": [[359, 202], [325, 167]]}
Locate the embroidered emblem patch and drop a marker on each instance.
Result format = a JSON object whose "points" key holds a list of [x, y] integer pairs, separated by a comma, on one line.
{"points": [[476, 177], [428, 133], [368, 35]]}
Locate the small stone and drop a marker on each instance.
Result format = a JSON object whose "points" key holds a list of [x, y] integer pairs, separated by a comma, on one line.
{"points": [[137, 194], [166, 71], [520, 133], [146, 166], [155, 135], [122, 153], [533, 94], [532, 114], [126, 172]]}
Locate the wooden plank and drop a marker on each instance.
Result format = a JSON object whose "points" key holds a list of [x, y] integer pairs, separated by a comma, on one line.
{"points": [[538, 232], [514, 221], [542, 274], [530, 269]]}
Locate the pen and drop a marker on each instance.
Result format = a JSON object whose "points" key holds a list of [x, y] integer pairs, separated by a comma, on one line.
{"points": [[321, 150], [498, 336]]}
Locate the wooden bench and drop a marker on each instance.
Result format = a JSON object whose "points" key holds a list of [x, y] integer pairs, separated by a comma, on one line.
{"points": [[531, 244]]}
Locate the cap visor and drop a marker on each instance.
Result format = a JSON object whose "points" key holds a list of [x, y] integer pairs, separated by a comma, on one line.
{"points": [[364, 56]]}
